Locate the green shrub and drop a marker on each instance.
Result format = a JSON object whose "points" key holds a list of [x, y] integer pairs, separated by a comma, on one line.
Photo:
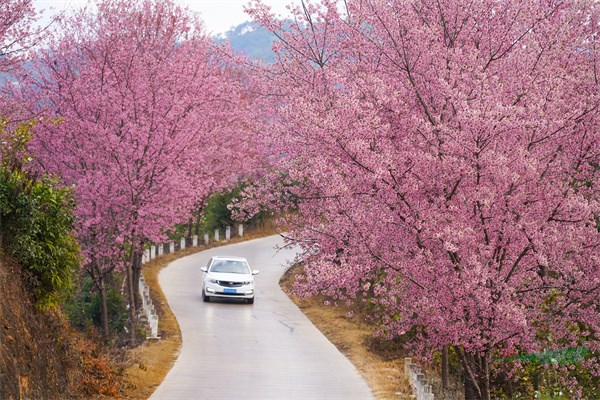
{"points": [[84, 309], [36, 222], [217, 212]]}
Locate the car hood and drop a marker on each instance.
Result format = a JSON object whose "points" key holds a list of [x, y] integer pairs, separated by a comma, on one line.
{"points": [[222, 276]]}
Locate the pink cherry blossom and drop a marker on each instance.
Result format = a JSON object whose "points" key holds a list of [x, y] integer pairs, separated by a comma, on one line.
{"points": [[441, 158], [144, 115]]}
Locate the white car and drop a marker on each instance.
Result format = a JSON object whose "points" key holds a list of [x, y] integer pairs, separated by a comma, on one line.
{"points": [[228, 277]]}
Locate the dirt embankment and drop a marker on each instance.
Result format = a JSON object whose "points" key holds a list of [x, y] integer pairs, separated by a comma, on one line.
{"points": [[36, 361], [30, 362]]}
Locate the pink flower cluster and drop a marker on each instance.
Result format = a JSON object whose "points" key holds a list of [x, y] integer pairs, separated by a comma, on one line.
{"points": [[443, 158]]}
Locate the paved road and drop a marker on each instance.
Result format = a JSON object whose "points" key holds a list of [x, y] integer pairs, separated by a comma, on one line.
{"points": [[268, 350]]}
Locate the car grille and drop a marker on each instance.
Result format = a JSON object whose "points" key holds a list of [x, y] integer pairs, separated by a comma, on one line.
{"points": [[229, 284]]}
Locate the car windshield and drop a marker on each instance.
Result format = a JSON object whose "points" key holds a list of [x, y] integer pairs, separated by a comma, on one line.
{"points": [[230, 267]]}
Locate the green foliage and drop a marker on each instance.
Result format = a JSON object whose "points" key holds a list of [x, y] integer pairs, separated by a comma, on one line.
{"points": [[546, 375], [79, 308], [567, 356], [84, 310], [13, 144], [177, 232], [36, 222], [217, 212]]}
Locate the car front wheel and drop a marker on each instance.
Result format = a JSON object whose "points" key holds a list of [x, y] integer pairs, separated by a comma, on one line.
{"points": [[205, 297], [250, 301]]}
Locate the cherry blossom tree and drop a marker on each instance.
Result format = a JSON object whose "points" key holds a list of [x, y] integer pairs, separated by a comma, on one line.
{"points": [[16, 32], [443, 159], [145, 115]]}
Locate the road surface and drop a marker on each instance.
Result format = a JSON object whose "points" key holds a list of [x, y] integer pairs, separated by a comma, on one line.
{"points": [[268, 350]]}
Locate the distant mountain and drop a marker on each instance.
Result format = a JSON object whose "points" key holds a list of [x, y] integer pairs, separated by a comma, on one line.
{"points": [[251, 40]]}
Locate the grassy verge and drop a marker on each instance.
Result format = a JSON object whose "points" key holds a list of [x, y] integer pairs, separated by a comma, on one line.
{"points": [[350, 332], [147, 365]]}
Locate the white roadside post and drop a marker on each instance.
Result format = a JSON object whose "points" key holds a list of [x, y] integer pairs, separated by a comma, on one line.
{"points": [[148, 310], [172, 247], [206, 238], [216, 235], [228, 233], [241, 230], [417, 380], [182, 244], [195, 241]]}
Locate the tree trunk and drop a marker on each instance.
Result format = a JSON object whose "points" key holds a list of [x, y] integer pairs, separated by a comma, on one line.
{"points": [[130, 286], [470, 392], [445, 368], [189, 231], [97, 276], [485, 378], [103, 308], [476, 375], [137, 272], [198, 218]]}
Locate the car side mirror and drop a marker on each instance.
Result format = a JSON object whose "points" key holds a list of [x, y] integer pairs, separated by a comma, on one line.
{"points": [[204, 269], [255, 272]]}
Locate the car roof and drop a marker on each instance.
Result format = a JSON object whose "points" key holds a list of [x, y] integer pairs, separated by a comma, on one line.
{"points": [[232, 258]]}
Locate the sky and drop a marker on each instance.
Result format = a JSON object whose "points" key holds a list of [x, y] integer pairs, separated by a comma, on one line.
{"points": [[218, 15]]}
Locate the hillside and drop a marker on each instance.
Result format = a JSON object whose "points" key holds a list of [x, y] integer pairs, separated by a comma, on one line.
{"points": [[40, 358], [252, 41], [34, 362]]}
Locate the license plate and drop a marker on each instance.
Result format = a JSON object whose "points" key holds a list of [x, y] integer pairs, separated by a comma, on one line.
{"points": [[229, 291]]}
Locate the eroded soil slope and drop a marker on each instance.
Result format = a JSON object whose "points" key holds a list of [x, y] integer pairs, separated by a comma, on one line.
{"points": [[34, 358]]}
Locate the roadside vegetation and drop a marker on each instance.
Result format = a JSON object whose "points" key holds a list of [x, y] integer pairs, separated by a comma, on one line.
{"points": [[40, 354], [36, 219]]}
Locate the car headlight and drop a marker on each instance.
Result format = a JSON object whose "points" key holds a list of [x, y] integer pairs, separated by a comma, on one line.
{"points": [[212, 281]]}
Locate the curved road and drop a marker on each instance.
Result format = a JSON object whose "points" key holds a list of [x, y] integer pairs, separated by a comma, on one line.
{"points": [[268, 350]]}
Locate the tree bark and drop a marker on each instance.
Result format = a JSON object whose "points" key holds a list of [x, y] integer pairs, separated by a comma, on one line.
{"points": [[445, 368], [103, 308], [130, 286], [98, 278], [137, 272], [476, 375], [470, 392], [189, 231], [485, 378], [198, 218]]}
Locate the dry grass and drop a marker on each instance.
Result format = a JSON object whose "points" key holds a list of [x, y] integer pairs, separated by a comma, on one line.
{"points": [[148, 364], [351, 334]]}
